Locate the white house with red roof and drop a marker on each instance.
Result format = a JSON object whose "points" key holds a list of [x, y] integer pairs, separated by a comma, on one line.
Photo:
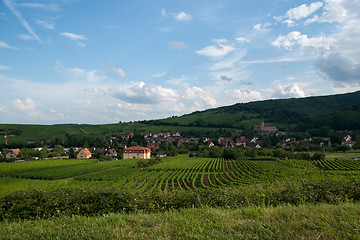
{"points": [[137, 152], [13, 153], [84, 154]]}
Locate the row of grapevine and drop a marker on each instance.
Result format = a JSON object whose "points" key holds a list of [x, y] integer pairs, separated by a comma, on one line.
{"points": [[337, 164]]}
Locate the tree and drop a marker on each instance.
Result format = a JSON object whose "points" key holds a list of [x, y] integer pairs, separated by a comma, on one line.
{"points": [[357, 144], [279, 153], [230, 153], [58, 151], [342, 148], [72, 153], [27, 153], [43, 153]]}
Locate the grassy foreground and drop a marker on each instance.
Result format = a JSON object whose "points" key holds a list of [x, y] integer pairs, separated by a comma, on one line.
{"points": [[322, 221]]}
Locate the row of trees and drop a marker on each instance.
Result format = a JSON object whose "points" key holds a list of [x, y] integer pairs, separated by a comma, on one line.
{"points": [[31, 153]]}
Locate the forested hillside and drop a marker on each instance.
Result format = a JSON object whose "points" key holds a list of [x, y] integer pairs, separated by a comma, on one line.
{"points": [[339, 112]]}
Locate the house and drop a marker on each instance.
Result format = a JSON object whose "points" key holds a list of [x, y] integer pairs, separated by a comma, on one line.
{"points": [[137, 152], [161, 154], [13, 153], [349, 143], [111, 153], [176, 134], [153, 145], [210, 144], [241, 141], [265, 128], [121, 134], [347, 138], [84, 154]]}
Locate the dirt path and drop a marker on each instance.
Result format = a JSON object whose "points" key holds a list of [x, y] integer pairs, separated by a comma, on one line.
{"points": [[84, 131], [87, 173]]}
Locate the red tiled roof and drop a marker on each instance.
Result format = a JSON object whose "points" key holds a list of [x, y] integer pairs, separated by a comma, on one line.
{"points": [[86, 151], [16, 151], [138, 148]]}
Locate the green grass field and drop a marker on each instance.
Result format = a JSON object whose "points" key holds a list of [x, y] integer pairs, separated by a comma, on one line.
{"points": [[181, 197], [324, 221]]}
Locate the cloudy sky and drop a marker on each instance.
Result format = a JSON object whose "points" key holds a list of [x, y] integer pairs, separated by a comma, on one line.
{"points": [[88, 61]]}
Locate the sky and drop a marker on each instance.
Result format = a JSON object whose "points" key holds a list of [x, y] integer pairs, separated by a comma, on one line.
{"points": [[98, 62]]}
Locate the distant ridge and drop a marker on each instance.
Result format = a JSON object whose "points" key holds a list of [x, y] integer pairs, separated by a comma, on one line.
{"points": [[339, 112]]}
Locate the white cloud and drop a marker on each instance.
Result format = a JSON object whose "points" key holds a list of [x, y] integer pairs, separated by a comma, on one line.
{"points": [[229, 62], [141, 93], [295, 14], [220, 48], [2, 67], [113, 26], [5, 45], [242, 39], [182, 16], [73, 36], [303, 11], [182, 81], [289, 91], [163, 12], [120, 72], [160, 74], [45, 24], [244, 96], [337, 54], [177, 45], [338, 11], [47, 7], [257, 26], [12, 6], [4, 109], [25, 37], [260, 26], [87, 75], [28, 107], [28, 104], [199, 97], [303, 40]]}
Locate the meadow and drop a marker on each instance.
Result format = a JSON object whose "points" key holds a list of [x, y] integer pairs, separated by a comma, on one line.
{"points": [[70, 192]]}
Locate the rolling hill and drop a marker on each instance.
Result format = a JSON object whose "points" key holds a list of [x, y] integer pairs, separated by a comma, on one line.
{"points": [[338, 112]]}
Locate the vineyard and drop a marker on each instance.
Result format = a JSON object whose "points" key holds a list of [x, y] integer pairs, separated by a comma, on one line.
{"points": [[172, 174]]}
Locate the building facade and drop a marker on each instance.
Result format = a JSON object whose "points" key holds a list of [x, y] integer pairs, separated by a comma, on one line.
{"points": [[13, 153], [137, 152], [84, 154]]}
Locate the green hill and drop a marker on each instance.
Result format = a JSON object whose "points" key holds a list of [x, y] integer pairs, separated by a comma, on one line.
{"points": [[339, 112]]}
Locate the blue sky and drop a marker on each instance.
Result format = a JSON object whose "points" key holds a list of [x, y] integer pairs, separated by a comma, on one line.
{"points": [[77, 61]]}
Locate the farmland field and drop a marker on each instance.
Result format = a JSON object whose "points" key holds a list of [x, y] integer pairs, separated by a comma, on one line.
{"points": [[39, 191], [172, 174]]}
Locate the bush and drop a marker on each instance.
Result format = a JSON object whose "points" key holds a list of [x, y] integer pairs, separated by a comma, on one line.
{"points": [[104, 158], [37, 204], [318, 156], [148, 163]]}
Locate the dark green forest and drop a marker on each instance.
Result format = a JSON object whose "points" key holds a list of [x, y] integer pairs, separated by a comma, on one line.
{"points": [[338, 112]]}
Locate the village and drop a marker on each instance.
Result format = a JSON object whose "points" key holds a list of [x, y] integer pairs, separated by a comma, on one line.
{"points": [[163, 144]]}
